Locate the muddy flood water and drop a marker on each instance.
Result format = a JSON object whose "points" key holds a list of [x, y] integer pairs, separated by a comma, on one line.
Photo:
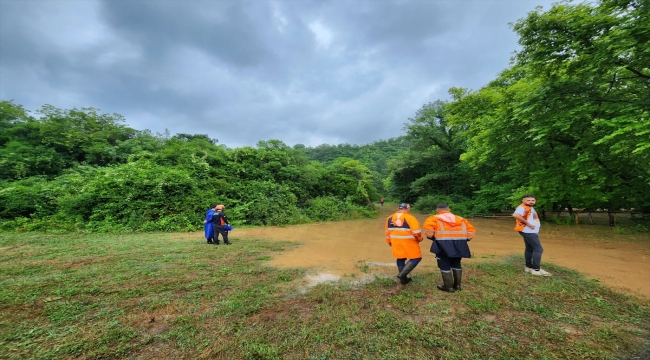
{"points": [[357, 249]]}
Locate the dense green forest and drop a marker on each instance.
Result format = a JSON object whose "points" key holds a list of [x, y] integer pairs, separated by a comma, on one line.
{"points": [[82, 170], [568, 121], [375, 155]]}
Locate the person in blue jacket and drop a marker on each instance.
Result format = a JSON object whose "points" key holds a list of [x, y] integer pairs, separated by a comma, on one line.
{"points": [[208, 224]]}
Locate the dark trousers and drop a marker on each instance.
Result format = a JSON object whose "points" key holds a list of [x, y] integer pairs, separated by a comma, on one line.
{"points": [[220, 230], [534, 250], [446, 263]]}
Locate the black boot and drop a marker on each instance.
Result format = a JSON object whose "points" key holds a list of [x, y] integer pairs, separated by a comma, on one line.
{"points": [[399, 269], [403, 275], [216, 241], [448, 281], [458, 277]]}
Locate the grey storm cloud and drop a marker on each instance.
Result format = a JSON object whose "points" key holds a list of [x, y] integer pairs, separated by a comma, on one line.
{"points": [[308, 72]]}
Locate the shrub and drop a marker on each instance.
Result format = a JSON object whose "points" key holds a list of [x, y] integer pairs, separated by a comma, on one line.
{"points": [[427, 204]]}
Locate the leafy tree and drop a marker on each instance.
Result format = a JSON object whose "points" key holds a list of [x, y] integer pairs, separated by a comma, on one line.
{"points": [[58, 140], [190, 137], [113, 178], [432, 163], [84, 135], [569, 119], [593, 63], [375, 156]]}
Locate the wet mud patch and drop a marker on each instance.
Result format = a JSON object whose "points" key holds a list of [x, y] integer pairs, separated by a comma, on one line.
{"points": [[357, 249], [322, 278]]}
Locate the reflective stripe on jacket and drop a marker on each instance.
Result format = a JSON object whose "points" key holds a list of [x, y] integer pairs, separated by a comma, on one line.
{"points": [[404, 235], [442, 229], [450, 234], [402, 226]]}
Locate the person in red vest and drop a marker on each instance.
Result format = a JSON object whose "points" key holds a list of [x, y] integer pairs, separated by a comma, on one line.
{"points": [[527, 224], [403, 235], [450, 234]]}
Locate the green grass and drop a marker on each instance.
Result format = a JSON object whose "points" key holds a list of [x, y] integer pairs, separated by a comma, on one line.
{"points": [[160, 296]]}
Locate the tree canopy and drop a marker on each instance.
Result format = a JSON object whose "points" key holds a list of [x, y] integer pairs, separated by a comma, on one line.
{"points": [[82, 169], [568, 121]]}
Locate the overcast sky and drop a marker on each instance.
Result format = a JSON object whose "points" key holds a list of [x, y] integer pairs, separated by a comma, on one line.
{"points": [[309, 72]]}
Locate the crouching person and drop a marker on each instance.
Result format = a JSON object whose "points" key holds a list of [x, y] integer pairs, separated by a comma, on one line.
{"points": [[450, 234]]}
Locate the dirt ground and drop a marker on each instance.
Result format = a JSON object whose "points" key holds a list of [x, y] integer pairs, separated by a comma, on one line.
{"points": [[357, 248]]}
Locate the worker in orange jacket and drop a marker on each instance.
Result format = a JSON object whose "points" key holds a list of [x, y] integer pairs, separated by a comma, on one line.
{"points": [[403, 234], [527, 224], [450, 234]]}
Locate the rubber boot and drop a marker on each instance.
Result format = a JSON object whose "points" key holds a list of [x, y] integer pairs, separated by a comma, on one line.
{"points": [[399, 269], [216, 241], [403, 275], [210, 241], [448, 281], [458, 277]]}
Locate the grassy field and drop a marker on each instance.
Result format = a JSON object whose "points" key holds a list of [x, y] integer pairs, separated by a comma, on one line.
{"points": [[161, 296]]}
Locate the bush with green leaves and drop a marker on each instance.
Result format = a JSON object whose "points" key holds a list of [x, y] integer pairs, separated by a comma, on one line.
{"points": [[458, 205], [332, 208], [157, 183]]}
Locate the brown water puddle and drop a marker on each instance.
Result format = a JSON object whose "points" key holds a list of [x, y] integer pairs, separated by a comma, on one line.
{"points": [[357, 248]]}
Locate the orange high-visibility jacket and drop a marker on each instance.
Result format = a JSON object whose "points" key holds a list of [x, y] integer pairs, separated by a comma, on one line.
{"points": [[440, 227], [520, 226], [450, 234], [404, 234]]}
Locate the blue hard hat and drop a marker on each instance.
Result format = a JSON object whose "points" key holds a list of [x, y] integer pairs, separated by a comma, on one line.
{"points": [[227, 227]]}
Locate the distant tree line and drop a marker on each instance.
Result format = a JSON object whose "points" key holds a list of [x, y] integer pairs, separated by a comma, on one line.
{"points": [[568, 121], [375, 156], [83, 170]]}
